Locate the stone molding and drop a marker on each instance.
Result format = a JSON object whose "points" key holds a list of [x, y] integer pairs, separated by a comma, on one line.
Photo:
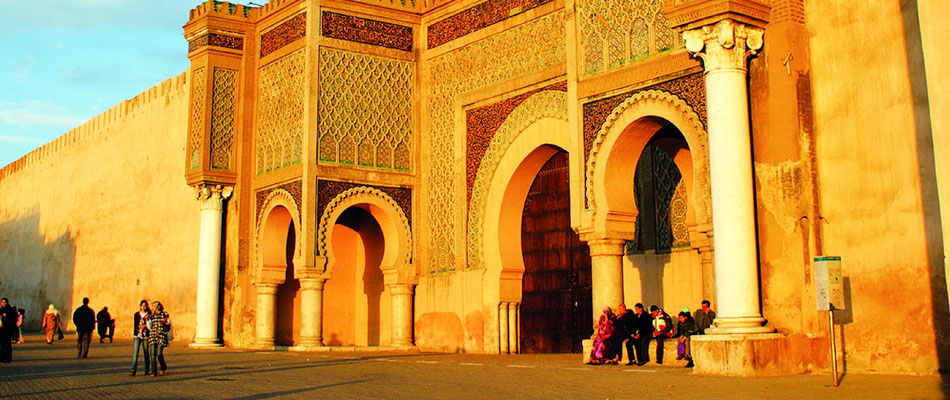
{"points": [[726, 45], [695, 14]]}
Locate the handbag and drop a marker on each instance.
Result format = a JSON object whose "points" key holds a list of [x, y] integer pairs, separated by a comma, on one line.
{"points": [[680, 349], [169, 332]]}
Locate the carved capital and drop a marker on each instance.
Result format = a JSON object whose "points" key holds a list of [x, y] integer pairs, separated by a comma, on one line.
{"points": [[726, 44], [211, 196]]}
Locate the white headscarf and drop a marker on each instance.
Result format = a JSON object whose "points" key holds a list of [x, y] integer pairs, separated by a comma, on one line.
{"points": [[52, 310]]}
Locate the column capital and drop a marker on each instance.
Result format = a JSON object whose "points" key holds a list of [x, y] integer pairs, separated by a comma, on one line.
{"points": [[265, 287], [401, 288], [312, 283], [210, 196], [727, 44], [606, 247]]}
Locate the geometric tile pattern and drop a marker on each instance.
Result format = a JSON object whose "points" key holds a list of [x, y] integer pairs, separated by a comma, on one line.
{"points": [[285, 33], [481, 124], [197, 116], [530, 47], [222, 117], [294, 188], [480, 16], [540, 104], [280, 112], [691, 88], [362, 30], [618, 32], [328, 190], [365, 110]]}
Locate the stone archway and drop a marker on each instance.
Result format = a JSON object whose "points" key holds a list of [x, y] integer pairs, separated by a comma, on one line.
{"points": [[371, 218], [610, 176], [278, 249], [531, 135]]}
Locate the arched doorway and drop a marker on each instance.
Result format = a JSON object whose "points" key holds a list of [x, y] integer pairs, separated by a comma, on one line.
{"points": [[287, 325], [556, 287], [357, 307]]}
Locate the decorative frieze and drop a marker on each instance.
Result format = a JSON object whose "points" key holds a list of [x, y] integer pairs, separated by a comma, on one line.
{"points": [[279, 138], [217, 40], [362, 30], [475, 18], [295, 189], [196, 126], [328, 190], [222, 117], [285, 33]]}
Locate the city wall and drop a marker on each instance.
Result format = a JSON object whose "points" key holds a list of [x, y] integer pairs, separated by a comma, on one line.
{"points": [[103, 212]]}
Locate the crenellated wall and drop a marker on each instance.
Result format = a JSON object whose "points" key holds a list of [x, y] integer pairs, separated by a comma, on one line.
{"points": [[102, 212]]}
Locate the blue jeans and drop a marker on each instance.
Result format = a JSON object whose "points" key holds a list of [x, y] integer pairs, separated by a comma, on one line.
{"points": [[136, 344], [155, 353]]}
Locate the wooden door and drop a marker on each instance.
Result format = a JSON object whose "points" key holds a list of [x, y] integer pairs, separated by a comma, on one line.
{"points": [[556, 290]]}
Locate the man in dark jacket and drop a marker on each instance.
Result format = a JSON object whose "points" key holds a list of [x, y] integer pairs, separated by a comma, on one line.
{"points": [[8, 318], [643, 334], [685, 328], [106, 324], [626, 322], [85, 321]]}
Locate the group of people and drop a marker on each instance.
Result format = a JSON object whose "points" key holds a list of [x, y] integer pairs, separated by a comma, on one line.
{"points": [[150, 334], [151, 331], [638, 327]]}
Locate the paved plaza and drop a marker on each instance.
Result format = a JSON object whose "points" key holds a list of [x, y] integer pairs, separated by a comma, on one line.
{"points": [[41, 371]]}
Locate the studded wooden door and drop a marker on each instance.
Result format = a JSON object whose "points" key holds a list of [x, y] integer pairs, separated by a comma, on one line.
{"points": [[556, 290]]}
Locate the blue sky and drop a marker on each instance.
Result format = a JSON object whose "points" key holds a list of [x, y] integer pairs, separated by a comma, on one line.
{"points": [[64, 62]]}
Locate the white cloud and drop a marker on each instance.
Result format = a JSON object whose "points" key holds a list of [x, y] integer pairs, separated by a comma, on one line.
{"points": [[24, 67], [36, 113]]}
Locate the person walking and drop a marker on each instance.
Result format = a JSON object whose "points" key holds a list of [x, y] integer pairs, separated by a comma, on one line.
{"points": [[8, 317], [85, 321], [106, 324], [158, 325], [51, 323], [140, 336]]}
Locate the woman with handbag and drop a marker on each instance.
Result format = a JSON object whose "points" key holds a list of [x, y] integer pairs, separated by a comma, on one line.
{"points": [[158, 326]]}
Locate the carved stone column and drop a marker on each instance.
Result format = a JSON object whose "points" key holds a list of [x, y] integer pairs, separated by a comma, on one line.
{"points": [[503, 328], [606, 270], [311, 312], [210, 200], [266, 317], [402, 314], [514, 339], [725, 46]]}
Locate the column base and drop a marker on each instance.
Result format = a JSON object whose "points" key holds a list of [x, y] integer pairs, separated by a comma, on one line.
{"points": [[206, 344], [744, 355], [741, 325], [263, 345], [310, 342]]}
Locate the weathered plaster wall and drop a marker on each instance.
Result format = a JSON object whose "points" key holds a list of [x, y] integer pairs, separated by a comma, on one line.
{"points": [[103, 212], [874, 192]]}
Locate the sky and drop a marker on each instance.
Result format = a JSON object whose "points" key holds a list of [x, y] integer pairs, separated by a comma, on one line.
{"points": [[64, 62]]}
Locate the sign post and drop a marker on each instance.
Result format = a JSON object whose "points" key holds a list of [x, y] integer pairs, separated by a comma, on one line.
{"points": [[829, 295]]}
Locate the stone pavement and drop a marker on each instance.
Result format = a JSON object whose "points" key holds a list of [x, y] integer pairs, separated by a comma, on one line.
{"points": [[41, 371]]}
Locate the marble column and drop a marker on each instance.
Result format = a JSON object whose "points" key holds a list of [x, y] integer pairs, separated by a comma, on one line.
{"points": [[210, 200], [311, 312], [503, 328], [725, 47], [514, 341], [606, 269], [266, 317], [401, 295]]}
